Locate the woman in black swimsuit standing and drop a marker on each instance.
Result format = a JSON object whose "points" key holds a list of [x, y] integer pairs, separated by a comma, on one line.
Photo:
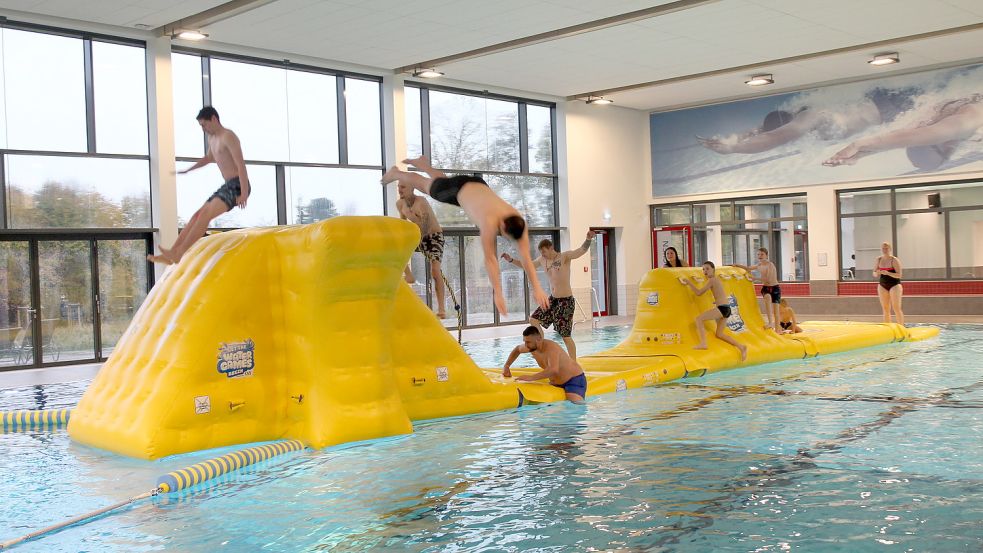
{"points": [[888, 270]]}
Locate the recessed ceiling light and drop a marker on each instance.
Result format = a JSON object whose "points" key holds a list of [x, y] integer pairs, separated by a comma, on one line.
{"points": [[191, 35], [598, 100], [885, 59], [427, 73], [760, 80]]}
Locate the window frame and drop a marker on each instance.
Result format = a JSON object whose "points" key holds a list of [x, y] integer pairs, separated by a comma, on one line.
{"points": [[894, 212]]}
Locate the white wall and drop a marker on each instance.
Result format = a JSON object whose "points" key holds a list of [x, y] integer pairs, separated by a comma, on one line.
{"points": [[605, 168]]}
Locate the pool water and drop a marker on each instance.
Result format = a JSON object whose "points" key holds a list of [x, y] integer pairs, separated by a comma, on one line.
{"points": [[874, 450]]}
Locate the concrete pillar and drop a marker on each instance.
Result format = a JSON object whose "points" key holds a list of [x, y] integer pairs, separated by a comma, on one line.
{"points": [[160, 103]]}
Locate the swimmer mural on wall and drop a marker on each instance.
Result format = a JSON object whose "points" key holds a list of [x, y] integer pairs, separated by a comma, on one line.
{"points": [[924, 123]]}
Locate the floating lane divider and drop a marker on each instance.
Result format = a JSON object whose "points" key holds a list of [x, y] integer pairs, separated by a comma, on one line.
{"points": [[26, 420], [176, 481], [212, 468]]}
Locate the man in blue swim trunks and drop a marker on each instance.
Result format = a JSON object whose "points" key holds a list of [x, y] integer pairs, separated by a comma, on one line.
{"points": [[223, 149], [561, 370]]}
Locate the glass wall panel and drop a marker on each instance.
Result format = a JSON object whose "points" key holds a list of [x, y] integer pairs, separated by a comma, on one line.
{"points": [[513, 285], [950, 195], [196, 187], [540, 138], [921, 245], [364, 122], [44, 70], [966, 243], [252, 101], [865, 201], [414, 122], [312, 108], [122, 286], [670, 216], [467, 132], [120, 93], [452, 270], [317, 193], [66, 300], [16, 330], [860, 240], [77, 192], [480, 302], [188, 138], [534, 240]]}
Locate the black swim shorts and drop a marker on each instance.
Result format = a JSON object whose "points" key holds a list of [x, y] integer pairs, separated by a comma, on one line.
{"points": [[228, 192], [724, 310], [559, 315], [445, 189], [432, 246]]}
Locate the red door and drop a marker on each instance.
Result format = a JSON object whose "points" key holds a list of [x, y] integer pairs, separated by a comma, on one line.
{"points": [[680, 237]]}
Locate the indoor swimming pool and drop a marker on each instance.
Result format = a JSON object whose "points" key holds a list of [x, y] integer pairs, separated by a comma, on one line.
{"points": [[873, 450]]}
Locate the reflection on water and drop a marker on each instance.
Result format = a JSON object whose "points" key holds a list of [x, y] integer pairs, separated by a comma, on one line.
{"points": [[876, 448]]}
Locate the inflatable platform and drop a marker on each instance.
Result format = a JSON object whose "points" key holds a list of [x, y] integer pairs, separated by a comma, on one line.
{"points": [[309, 333]]}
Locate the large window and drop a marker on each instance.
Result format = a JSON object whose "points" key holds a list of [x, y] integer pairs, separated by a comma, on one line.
{"points": [[509, 143], [732, 231], [75, 191], [936, 231], [311, 138]]}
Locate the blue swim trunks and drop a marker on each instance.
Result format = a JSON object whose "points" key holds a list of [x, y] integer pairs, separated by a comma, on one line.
{"points": [[576, 385]]}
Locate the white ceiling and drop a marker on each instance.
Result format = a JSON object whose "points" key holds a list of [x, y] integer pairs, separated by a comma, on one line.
{"points": [[392, 33]]}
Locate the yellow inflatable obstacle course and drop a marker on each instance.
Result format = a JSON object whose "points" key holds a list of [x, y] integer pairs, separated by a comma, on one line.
{"points": [[309, 333]]}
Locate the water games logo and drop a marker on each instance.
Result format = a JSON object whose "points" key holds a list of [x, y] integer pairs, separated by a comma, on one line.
{"points": [[237, 359], [735, 323], [653, 299]]}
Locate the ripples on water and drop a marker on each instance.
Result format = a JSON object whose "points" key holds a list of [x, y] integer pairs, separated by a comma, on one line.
{"points": [[875, 450]]}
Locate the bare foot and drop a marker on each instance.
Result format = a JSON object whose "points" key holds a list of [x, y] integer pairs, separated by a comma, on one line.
{"points": [[159, 259], [441, 314], [418, 162], [700, 346], [391, 175], [743, 352]]}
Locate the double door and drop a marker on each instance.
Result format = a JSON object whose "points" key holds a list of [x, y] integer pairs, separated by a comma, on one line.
{"points": [[67, 299]]}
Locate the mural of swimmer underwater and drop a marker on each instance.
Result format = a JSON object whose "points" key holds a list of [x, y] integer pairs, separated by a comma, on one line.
{"points": [[839, 133], [308, 333]]}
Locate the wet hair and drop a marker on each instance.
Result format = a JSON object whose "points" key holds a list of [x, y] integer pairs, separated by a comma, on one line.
{"points": [[545, 243], [776, 119], [514, 226], [679, 260], [207, 113], [531, 331], [783, 302], [763, 250], [710, 263]]}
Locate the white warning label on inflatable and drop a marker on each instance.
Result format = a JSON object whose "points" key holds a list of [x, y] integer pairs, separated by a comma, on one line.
{"points": [[653, 299], [203, 405], [442, 374], [237, 359]]}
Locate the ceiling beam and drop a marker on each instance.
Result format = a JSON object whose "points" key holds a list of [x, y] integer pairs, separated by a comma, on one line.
{"points": [[211, 16], [566, 32], [763, 65]]}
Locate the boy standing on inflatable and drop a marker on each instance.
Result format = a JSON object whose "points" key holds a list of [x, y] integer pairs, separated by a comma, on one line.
{"points": [[771, 292], [719, 313]]}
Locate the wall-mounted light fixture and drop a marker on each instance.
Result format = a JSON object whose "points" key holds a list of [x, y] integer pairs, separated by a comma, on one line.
{"points": [[427, 73], [598, 100], [760, 80], [885, 59]]}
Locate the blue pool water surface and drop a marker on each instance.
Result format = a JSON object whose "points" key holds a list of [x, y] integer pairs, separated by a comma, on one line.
{"points": [[874, 450]]}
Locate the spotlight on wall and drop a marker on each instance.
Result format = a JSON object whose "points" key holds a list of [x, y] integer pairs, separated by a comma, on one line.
{"points": [[598, 100], [885, 59], [607, 215], [427, 73], [190, 35], [760, 80]]}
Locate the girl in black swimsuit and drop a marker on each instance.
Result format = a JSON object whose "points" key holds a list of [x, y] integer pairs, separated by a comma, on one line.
{"points": [[887, 268]]}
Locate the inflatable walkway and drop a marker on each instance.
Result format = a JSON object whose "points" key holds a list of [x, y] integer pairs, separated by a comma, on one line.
{"points": [[309, 333]]}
